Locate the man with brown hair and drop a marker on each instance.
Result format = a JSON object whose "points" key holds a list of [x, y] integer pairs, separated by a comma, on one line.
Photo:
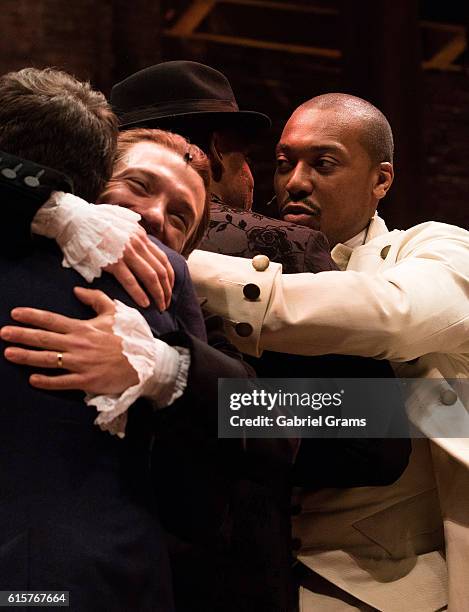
{"points": [[116, 558], [77, 512], [34, 104], [40, 113]]}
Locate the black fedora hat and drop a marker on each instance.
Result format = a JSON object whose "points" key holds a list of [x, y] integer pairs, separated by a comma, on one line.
{"points": [[171, 92]]}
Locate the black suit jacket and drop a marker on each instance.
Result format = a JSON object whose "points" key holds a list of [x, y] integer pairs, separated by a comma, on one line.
{"points": [[77, 508], [24, 187]]}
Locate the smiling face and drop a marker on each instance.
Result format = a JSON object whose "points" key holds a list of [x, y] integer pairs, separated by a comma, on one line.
{"points": [[325, 179], [158, 184]]}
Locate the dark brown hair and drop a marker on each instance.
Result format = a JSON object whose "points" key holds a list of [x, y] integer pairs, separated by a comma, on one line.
{"points": [[49, 117], [194, 157]]}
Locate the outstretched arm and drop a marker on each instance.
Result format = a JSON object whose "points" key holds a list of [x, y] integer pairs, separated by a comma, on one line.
{"points": [[416, 304]]}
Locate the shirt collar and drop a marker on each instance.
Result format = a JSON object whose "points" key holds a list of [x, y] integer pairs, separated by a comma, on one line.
{"points": [[341, 252], [357, 240]]}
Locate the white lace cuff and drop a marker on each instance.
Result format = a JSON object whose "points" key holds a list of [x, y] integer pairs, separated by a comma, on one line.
{"points": [[91, 237], [162, 371]]}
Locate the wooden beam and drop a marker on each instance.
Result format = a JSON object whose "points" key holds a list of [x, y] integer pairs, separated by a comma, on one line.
{"points": [[284, 6], [442, 27], [260, 44], [443, 60], [192, 17]]}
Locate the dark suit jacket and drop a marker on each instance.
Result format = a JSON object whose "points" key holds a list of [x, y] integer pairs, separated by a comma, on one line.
{"points": [[244, 233], [19, 184], [77, 509]]}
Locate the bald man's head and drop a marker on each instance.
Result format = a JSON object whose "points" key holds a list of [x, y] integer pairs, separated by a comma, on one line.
{"points": [[375, 131], [334, 164]]}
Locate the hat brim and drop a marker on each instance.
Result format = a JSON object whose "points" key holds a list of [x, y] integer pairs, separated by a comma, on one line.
{"points": [[249, 121]]}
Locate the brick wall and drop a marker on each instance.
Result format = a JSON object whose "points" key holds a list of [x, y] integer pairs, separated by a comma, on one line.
{"points": [[98, 40], [75, 36]]}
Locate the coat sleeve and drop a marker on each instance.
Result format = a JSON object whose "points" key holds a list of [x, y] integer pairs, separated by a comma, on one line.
{"points": [[411, 308]]}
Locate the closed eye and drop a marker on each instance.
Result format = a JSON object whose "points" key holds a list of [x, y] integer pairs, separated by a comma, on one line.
{"points": [[137, 184], [180, 218]]}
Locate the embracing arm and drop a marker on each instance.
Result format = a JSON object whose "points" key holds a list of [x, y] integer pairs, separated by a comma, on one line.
{"points": [[416, 306], [113, 357], [178, 372]]}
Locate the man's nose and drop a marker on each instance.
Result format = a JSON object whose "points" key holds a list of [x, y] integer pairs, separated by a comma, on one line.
{"points": [[154, 218], [300, 183]]}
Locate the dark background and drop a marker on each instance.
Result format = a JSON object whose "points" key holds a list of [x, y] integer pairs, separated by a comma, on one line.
{"points": [[407, 57]]}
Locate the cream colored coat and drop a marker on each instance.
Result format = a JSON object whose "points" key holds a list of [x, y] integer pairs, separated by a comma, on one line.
{"points": [[404, 295]]}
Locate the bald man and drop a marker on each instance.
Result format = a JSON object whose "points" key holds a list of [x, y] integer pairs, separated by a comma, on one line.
{"points": [[400, 295]]}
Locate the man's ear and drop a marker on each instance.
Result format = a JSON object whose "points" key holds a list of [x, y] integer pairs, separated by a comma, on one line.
{"points": [[384, 179], [216, 158]]}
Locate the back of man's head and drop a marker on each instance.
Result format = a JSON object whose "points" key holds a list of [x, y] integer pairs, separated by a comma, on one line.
{"points": [[49, 117]]}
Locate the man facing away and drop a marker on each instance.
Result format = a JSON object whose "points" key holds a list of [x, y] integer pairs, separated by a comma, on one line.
{"points": [[402, 296], [77, 508]]}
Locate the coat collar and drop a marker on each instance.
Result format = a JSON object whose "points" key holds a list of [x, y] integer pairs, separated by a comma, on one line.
{"points": [[341, 252], [376, 228]]}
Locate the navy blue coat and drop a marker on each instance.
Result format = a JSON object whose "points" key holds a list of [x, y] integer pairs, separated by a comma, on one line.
{"points": [[76, 504]]}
